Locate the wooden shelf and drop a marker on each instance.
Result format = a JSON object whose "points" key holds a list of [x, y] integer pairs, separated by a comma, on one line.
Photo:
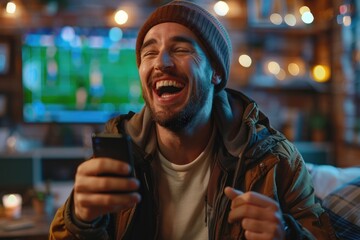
{"points": [[288, 89], [315, 29], [50, 153]]}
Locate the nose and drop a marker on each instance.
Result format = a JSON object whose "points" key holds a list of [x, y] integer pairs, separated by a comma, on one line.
{"points": [[164, 61]]}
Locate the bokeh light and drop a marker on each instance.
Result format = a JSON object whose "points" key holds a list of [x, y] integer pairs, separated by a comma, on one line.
{"points": [[221, 8], [304, 9], [273, 67], [321, 73], [290, 19], [115, 34], [121, 17], [294, 69], [307, 17], [245, 60], [276, 18], [10, 7], [281, 75]]}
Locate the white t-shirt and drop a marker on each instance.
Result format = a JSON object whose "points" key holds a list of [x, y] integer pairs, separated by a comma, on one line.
{"points": [[182, 191]]}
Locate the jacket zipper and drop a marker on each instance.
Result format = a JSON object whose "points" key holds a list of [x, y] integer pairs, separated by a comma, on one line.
{"points": [[206, 211], [212, 234], [155, 196]]}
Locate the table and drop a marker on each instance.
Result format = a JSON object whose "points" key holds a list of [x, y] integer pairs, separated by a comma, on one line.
{"points": [[31, 226]]}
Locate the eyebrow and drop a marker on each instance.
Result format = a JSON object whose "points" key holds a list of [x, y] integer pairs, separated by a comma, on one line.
{"points": [[174, 39]]}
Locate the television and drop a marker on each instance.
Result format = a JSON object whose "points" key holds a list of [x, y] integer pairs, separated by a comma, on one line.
{"points": [[79, 74]]}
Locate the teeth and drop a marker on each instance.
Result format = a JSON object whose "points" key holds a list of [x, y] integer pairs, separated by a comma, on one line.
{"points": [[167, 83]]}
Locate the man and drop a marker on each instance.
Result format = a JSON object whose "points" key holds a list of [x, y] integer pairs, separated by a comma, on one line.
{"points": [[208, 165]]}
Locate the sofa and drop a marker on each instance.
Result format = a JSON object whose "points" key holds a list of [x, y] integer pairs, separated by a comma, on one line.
{"points": [[338, 190]]}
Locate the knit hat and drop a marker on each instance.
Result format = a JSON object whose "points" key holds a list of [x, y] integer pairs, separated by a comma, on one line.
{"points": [[207, 28]]}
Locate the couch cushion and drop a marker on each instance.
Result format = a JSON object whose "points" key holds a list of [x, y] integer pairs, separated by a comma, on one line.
{"points": [[343, 206]]}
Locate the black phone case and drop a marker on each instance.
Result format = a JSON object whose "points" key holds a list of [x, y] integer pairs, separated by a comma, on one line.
{"points": [[113, 146]]}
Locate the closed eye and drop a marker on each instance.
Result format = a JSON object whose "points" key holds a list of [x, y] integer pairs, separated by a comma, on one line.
{"points": [[182, 50], [149, 54]]}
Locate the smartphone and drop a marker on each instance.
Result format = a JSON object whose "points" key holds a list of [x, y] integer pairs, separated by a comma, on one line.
{"points": [[113, 146]]}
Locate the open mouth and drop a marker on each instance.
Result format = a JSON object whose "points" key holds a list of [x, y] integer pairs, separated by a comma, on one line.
{"points": [[168, 87]]}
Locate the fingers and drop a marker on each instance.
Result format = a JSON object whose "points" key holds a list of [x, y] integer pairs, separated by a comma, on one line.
{"points": [[258, 226], [247, 210], [102, 186], [259, 229], [260, 216], [238, 198], [253, 205], [104, 201], [90, 206], [232, 193], [258, 235], [92, 176], [102, 166]]}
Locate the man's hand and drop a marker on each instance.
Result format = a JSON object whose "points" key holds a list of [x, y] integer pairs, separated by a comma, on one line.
{"points": [[100, 187], [259, 215]]}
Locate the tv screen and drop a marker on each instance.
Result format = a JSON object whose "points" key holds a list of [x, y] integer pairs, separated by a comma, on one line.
{"points": [[79, 75]]}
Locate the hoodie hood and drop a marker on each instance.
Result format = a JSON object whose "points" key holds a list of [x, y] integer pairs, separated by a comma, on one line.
{"points": [[242, 126]]}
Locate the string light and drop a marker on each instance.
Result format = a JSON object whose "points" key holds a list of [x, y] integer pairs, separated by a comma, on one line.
{"points": [[11, 7], [121, 17], [281, 75], [321, 73], [245, 60], [273, 67], [294, 69], [276, 18], [290, 19], [304, 9], [221, 8], [307, 17]]}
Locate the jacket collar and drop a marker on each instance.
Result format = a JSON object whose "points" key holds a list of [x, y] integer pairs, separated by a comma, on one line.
{"points": [[242, 126]]}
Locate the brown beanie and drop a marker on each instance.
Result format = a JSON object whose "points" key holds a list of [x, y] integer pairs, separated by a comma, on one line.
{"points": [[206, 27]]}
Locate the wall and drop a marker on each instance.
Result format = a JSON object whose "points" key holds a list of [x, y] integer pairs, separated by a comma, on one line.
{"points": [[99, 13]]}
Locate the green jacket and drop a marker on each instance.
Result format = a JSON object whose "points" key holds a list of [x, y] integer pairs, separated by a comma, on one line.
{"points": [[249, 155]]}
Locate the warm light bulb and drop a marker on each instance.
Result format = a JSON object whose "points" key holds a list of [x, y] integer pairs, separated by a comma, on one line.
{"points": [[276, 18], [321, 73], [307, 17], [11, 7], [274, 67], [221, 8], [304, 9], [121, 17], [294, 69], [281, 75], [245, 60], [12, 204], [347, 21], [290, 19]]}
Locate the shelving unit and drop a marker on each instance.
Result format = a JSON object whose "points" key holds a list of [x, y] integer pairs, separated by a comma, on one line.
{"points": [[40, 165], [296, 105], [346, 84]]}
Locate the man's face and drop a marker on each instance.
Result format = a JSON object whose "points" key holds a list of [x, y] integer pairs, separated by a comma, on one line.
{"points": [[176, 76]]}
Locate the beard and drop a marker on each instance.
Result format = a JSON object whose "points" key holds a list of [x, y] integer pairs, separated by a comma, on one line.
{"points": [[177, 121]]}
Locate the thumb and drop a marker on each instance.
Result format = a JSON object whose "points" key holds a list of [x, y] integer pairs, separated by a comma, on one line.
{"points": [[232, 193]]}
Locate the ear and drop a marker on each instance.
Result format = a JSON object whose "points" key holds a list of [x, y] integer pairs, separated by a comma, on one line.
{"points": [[216, 79]]}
